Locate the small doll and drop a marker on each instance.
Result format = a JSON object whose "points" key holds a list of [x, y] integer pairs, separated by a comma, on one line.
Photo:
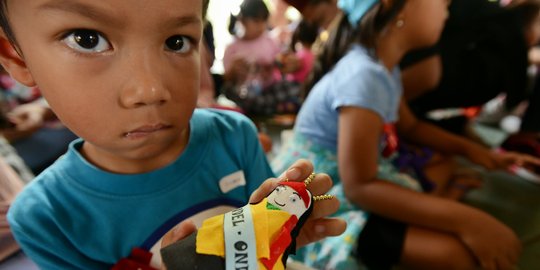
{"points": [[256, 236]]}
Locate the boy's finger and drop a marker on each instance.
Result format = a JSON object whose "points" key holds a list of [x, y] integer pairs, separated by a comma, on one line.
{"points": [[321, 184], [324, 208], [315, 230], [181, 231], [299, 171], [264, 189]]}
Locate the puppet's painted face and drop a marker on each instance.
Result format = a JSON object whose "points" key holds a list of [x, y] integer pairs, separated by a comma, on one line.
{"points": [[288, 199]]}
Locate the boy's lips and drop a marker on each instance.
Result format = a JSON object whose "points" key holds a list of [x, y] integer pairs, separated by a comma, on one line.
{"points": [[145, 130]]}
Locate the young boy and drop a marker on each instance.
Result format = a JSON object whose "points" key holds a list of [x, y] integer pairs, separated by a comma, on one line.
{"points": [[124, 76]]}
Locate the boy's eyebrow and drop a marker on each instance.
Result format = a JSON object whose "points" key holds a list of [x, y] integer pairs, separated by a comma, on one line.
{"points": [[96, 14], [79, 8], [186, 20]]}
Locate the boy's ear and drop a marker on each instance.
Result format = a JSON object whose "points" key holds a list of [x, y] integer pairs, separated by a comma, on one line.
{"points": [[13, 62]]}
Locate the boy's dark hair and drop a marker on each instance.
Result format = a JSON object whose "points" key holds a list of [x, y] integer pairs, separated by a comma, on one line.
{"points": [[4, 21], [341, 38], [305, 32], [253, 9]]}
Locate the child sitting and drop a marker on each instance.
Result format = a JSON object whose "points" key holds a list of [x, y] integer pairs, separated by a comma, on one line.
{"points": [[346, 127], [147, 159]]}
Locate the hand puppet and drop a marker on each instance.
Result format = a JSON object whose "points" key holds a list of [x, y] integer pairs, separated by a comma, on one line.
{"points": [[256, 236]]}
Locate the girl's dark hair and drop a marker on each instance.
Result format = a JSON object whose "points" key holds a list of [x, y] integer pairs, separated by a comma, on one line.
{"points": [[4, 21], [304, 32], [526, 10], [366, 33], [253, 9]]}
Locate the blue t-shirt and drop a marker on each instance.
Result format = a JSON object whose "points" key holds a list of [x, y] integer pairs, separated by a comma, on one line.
{"points": [[76, 216], [358, 80]]}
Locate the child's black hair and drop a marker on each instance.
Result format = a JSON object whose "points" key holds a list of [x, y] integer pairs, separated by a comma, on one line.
{"points": [[527, 10], [4, 21], [366, 33], [252, 9], [305, 33]]}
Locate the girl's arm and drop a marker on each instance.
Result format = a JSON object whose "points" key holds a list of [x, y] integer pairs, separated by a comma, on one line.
{"points": [[358, 150], [426, 134]]}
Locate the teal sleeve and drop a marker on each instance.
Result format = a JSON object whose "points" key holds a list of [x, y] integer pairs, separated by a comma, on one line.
{"points": [[44, 243]]}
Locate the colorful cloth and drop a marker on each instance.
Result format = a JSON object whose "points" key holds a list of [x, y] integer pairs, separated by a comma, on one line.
{"points": [[11, 157], [13, 93]]}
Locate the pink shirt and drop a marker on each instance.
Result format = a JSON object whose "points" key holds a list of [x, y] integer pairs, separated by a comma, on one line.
{"points": [[306, 58], [262, 50]]}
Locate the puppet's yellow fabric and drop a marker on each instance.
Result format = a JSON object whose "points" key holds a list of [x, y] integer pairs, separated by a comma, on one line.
{"points": [[267, 224]]}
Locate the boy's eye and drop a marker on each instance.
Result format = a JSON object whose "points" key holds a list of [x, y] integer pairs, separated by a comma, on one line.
{"points": [[178, 44], [86, 41]]}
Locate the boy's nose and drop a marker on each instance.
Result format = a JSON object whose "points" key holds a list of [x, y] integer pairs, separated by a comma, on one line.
{"points": [[144, 87]]}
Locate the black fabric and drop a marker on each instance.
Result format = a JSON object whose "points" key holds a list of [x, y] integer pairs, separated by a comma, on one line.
{"points": [[483, 52], [182, 255], [531, 118], [381, 242], [417, 55]]}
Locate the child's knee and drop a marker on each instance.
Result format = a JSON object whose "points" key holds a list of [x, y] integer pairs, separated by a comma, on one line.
{"points": [[426, 249]]}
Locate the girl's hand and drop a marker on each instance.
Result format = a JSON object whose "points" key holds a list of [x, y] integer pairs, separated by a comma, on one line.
{"points": [[238, 71], [492, 160], [318, 226], [288, 62], [494, 245], [506, 159]]}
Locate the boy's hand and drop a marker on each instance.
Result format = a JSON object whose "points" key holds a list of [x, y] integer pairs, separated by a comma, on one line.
{"points": [[179, 232], [318, 226]]}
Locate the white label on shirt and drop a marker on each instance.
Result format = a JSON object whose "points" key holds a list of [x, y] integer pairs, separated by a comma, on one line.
{"points": [[232, 181]]}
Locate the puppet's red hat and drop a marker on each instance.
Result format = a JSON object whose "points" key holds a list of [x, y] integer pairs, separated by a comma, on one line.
{"points": [[298, 4], [299, 187]]}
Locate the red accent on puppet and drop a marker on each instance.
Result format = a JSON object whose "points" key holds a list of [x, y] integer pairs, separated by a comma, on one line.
{"points": [[138, 259], [280, 244]]}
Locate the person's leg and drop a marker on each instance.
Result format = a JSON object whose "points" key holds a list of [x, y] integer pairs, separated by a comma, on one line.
{"points": [[427, 249], [385, 243], [380, 244]]}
